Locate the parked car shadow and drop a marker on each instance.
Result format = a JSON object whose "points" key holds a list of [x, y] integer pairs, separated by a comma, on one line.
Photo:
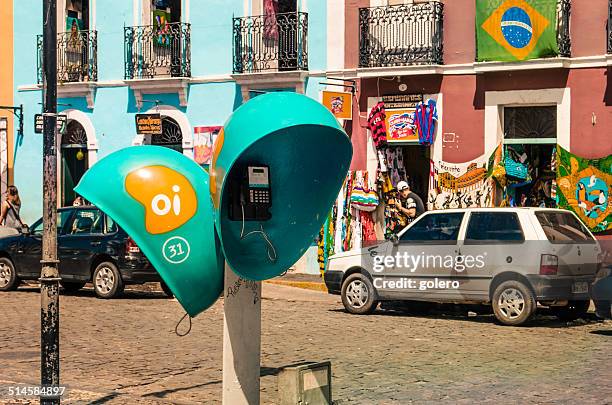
{"points": [[477, 314], [130, 292]]}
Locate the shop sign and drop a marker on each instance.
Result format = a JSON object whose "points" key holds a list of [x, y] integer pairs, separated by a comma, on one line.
{"points": [[148, 124], [339, 103], [402, 101], [39, 123], [400, 125], [203, 141]]}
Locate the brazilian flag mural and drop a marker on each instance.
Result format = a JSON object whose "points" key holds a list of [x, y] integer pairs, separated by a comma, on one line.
{"points": [[516, 30]]}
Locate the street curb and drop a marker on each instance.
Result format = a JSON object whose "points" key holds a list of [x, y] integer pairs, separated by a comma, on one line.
{"points": [[306, 285]]}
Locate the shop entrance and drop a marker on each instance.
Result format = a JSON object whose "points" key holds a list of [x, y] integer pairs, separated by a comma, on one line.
{"points": [[74, 161], [416, 163], [530, 137]]}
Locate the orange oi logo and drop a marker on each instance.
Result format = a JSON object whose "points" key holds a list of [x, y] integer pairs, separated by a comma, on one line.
{"points": [[214, 171], [167, 196]]}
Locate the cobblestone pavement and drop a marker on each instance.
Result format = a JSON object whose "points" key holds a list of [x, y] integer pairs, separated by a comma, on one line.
{"points": [[125, 351]]}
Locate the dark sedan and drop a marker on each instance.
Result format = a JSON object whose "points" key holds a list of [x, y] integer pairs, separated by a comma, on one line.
{"points": [[91, 248]]}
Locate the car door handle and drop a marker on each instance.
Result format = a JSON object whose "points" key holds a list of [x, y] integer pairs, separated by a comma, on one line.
{"points": [[95, 243]]}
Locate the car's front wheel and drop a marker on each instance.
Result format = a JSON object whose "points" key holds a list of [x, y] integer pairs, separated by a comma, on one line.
{"points": [[8, 276], [513, 303], [572, 311], [107, 280], [358, 294]]}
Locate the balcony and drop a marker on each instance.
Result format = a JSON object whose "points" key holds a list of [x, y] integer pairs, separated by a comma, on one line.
{"points": [[402, 35], [153, 51], [271, 43], [77, 57]]}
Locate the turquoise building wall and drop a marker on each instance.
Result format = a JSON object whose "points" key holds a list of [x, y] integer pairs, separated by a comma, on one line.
{"points": [[112, 116]]}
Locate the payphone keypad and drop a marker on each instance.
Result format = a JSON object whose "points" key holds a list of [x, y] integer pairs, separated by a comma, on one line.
{"points": [[261, 196]]}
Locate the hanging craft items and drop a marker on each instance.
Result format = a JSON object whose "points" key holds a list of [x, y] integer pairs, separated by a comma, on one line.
{"points": [[514, 165], [376, 124], [363, 195], [425, 118], [585, 187]]}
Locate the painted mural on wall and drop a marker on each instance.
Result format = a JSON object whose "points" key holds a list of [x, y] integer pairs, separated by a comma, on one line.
{"points": [[585, 187], [462, 185]]}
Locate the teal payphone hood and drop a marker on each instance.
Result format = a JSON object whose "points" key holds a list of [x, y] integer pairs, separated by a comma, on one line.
{"points": [[308, 155], [161, 199]]}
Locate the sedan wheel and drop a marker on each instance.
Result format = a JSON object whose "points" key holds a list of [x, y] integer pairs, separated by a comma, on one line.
{"points": [[107, 280], [8, 277]]}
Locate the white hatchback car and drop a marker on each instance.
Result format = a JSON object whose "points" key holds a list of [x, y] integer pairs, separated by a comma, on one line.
{"points": [[511, 258]]}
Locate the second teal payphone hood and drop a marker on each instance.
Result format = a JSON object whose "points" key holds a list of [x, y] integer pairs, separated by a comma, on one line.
{"points": [[308, 155]]}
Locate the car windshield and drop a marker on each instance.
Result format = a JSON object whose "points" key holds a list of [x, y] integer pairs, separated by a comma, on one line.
{"points": [[563, 227]]}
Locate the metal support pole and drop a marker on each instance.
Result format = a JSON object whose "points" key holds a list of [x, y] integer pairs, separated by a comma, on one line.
{"points": [[241, 340], [49, 276]]}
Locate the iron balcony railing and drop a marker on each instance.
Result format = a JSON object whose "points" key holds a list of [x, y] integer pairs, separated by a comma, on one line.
{"points": [[564, 10], [77, 56], [269, 43], [157, 51], [409, 34]]}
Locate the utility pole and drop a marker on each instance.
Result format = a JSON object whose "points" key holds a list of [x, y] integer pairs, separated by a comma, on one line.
{"points": [[49, 276]]}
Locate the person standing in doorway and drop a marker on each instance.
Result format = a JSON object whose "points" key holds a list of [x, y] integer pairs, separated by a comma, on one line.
{"points": [[9, 214], [408, 203]]}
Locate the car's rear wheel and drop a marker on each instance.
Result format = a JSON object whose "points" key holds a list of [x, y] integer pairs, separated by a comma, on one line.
{"points": [[107, 280], [358, 294], [72, 286], [513, 303], [572, 311], [166, 289], [8, 276]]}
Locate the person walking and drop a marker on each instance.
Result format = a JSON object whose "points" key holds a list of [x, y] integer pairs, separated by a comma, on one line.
{"points": [[9, 213]]}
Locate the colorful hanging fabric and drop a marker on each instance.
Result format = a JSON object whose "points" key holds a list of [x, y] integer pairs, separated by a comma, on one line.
{"points": [[585, 187], [270, 23], [376, 125], [363, 195], [367, 227], [426, 117]]}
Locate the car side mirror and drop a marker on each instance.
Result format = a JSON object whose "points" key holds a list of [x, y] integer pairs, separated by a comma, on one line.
{"points": [[25, 230]]}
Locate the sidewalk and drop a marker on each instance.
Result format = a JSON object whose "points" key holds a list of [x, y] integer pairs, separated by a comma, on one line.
{"points": [[300, 280]]}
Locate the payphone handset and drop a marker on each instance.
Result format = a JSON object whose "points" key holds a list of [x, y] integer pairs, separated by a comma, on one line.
{"points": [[250, 194]]}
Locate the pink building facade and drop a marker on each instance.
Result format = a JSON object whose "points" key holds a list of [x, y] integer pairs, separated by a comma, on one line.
{"points": [[530, 106]]}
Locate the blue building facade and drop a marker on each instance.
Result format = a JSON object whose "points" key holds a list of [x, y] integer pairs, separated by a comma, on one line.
{"points": [[191, 61]]}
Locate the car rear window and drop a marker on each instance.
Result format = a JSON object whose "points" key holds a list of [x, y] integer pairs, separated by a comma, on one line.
{"points": [[563, 227], [494, 227]]}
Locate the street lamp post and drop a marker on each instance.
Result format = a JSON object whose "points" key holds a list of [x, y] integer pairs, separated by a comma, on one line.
{"points": [[49, 276]]}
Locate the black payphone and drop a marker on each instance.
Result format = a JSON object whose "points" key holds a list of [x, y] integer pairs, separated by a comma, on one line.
{"points": [[250, 193]]}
